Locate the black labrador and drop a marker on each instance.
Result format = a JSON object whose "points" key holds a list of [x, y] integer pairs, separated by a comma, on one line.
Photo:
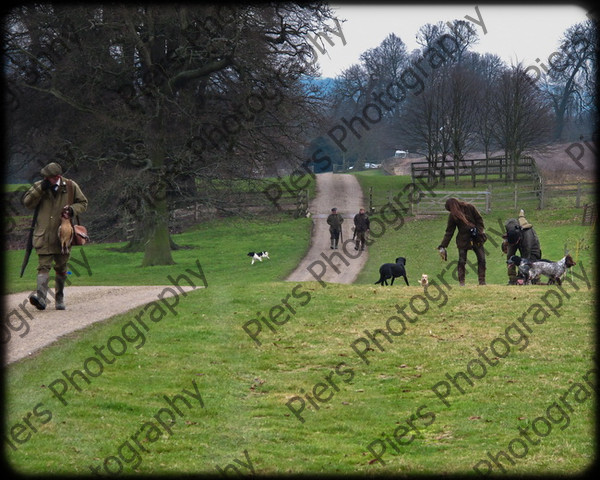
{"points": [[392, 270]]}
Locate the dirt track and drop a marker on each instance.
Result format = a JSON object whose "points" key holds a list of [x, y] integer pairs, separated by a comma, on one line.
{"points": [[321, 262]]}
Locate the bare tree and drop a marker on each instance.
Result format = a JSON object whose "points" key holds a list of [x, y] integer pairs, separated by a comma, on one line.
{"points": [[159, 93], [487, 68], [522, 116], [425, 123], [572, 74], [365, 83], [462, 31]]}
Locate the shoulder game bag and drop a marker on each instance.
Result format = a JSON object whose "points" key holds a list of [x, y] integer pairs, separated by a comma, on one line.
{"points": [[81, 236]]}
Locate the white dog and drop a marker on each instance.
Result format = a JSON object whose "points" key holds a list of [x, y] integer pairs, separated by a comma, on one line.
{"points": [[258, 256]]}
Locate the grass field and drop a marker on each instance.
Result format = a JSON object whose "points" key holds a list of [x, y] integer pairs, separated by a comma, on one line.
{"points": [[257, 375], [558, 230]]}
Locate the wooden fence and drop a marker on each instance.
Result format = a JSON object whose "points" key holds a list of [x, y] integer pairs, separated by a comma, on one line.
{"points": [[552, 193], [521, 196], [188, 213], [435, 203], [590, 214], [482, 170], [544, 195]]}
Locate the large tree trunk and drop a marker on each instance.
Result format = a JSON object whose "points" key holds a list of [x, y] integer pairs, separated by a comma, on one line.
{"points": [[158, 248]]}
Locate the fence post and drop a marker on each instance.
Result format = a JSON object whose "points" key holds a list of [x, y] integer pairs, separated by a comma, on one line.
{"points": [[487, 165], [516, 197], [542, 194], [578, 198], [371, 209]]}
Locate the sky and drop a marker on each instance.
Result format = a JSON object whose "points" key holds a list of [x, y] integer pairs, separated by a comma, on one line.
{"points": [[515, 33]]}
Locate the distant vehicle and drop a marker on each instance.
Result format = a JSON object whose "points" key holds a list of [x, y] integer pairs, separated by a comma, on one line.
{"points": [[401, 154], [372, 165]]}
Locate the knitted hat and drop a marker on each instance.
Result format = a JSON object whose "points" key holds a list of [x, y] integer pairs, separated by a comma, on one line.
{"points": [[523, 221], [51, 170]]}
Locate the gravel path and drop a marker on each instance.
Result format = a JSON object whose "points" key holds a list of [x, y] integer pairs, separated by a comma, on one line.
{"points": [[34, 329], [28, 330], [321, 263]]}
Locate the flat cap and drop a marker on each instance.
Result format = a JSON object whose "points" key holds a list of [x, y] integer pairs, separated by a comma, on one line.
{"points": [[51, 170]]}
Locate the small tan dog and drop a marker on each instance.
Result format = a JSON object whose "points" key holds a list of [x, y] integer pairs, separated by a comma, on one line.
{"points": [[424, 281], [65, 231]]}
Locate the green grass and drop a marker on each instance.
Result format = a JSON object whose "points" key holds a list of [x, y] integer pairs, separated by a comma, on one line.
{"points": [[217, 245], [245, 386], [13, 187], [402, 235]]}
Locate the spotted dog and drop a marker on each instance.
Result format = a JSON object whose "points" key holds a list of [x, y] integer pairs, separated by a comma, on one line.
{"points": [[553, 270], [523, 265], [258, 256]]}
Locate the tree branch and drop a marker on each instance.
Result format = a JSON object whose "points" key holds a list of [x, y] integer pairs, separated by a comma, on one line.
{"points": [[182, 78]]}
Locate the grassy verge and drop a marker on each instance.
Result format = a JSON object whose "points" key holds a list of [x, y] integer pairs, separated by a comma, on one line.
{"points": [[245, 387], [365, 367], [220, 246]]}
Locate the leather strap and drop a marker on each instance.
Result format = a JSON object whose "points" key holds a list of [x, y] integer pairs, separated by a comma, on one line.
{"points": [[70, 196]]}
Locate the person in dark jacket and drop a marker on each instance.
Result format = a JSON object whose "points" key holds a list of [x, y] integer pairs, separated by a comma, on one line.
{"points": [[471, 236], [50, 195], [520, 236], [362, 225], [335, 220]]}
